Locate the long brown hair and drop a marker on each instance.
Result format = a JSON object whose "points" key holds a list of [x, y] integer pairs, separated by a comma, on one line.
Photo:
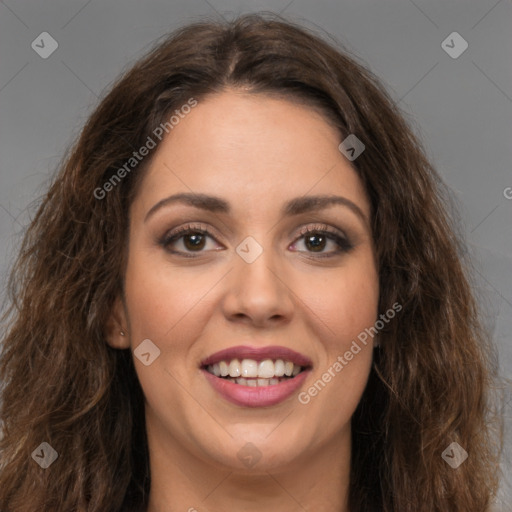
{"points": [[64, 385]]}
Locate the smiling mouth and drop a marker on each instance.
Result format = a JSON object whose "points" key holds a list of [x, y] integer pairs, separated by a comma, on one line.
{"points": [[252, 373]]}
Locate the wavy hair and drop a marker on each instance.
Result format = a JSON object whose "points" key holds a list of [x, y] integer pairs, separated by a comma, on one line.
{"points": [[432, 377]]}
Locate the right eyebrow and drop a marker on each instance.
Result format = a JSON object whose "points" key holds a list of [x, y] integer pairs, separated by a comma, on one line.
{"points": [[202, 201]]}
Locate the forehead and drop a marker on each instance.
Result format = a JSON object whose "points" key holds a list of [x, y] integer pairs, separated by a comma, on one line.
{"points": [[251, 148]]}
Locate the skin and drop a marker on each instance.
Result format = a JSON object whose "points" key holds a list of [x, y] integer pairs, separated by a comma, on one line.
{"points": [[256, 152]]}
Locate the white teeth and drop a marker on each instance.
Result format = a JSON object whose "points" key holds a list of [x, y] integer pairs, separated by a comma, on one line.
{"points": [[266, 369], [279, 368], [234, 368], [249, 368], [255, 382], [224, 368]]}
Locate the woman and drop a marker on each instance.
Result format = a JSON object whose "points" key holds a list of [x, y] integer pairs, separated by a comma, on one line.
{"points": [[243, 291]]}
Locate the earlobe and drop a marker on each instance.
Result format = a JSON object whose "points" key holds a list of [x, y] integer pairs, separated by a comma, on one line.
{"points": [[116, 333]]}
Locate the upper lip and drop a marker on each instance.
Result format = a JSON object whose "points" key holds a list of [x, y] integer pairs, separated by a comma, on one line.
{"points": [[258, 354]]}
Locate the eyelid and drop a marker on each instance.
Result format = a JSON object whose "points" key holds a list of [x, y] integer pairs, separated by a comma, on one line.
{"points": [[302, 231], [320, 227], [191, 226], [336, 233]]}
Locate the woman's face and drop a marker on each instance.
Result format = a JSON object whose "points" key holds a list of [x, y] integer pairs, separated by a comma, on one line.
{"points": [[255, 281]]}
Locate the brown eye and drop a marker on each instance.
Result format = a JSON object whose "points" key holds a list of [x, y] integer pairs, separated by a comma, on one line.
{"points": [[194, 241], [317, 238], [187, 240], [315, 242]]}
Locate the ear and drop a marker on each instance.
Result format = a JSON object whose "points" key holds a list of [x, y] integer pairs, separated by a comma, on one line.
{"points": [[116, 328]]}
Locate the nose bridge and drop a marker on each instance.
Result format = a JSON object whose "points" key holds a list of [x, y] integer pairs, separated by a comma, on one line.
{"points": [[255, 264], [256, 288]]}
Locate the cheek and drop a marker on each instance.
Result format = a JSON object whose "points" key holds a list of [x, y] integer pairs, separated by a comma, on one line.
{"points": [[343, 303], [167, 306], [341, 309], [164, 300]]}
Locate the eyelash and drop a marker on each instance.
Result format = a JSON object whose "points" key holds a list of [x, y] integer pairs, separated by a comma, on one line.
{"points": [[344, 245]]}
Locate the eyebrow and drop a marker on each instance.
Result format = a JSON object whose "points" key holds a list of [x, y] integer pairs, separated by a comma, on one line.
{"points": [[292, 207]]}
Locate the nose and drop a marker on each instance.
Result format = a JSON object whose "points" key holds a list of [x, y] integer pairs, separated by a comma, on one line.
{"points": [[258, 293]]}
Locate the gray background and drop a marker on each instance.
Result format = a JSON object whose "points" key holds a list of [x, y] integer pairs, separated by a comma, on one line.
{"points": [[460, 107]]}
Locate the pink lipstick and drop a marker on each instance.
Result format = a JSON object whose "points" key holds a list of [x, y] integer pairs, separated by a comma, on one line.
{"points": [[256, 376]]}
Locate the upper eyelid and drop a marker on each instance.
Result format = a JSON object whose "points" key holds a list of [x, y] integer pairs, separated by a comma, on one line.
{"points": [[318, 226], [321, 227]]}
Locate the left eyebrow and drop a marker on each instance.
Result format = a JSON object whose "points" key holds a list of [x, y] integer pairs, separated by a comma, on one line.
{"points": [[292, 207], [306, 204]]}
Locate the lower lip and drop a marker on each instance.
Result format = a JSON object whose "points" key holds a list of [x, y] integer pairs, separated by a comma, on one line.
{"points": [[257, 396]]}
